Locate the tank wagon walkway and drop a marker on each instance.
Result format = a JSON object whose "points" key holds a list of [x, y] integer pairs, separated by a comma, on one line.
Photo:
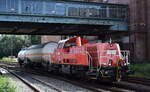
{"points": [[60, 17]]}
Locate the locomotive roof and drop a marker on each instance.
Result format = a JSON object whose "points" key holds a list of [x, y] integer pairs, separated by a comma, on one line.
{"points": [[73, 40]]}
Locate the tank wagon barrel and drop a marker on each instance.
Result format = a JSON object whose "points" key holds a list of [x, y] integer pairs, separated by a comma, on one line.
{"points": [[38, 54]]}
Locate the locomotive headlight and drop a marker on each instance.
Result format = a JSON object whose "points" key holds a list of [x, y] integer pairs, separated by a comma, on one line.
{"points": [[110, 62], [125, 64], [106, 72]]}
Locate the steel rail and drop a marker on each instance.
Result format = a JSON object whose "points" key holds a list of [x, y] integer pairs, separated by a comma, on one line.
{"points": [[23, 80]]}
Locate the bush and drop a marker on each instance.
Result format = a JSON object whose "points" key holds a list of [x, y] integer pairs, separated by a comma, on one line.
{"points": [[141, 70], [5, 85]]}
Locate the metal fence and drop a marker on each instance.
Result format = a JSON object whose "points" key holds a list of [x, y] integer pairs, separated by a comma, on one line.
{"points": [[65, 9]]}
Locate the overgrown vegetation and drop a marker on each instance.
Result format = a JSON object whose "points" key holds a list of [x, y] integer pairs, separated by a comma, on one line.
{"points": [[141, 70], [6, 85], [8, 59]]}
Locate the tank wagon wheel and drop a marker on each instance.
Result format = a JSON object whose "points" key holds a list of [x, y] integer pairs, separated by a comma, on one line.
{"points": [[20, 63], [47, 67], [27, 64]]}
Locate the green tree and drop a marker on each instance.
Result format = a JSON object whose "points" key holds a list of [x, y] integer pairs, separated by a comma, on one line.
{"points": [[12, 44]]}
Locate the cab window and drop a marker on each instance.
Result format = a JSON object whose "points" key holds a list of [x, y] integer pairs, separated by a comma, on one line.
{"points": [[69, 44], [60, 45]]}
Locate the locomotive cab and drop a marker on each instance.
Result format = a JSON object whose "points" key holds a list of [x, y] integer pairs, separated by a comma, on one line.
{"points": [[65, 45]]}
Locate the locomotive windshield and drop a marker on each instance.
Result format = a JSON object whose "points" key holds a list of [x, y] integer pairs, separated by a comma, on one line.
{"points": [[60, 45]]}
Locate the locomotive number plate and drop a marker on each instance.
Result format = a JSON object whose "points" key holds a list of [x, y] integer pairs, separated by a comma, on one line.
{"points": [[111, 51]]}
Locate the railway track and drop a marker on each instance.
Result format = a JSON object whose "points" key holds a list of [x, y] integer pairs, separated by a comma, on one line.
{"points": [[39, 84], [91, 85], [21, 79], [143, 81], [23, 73], [82, 83], [42, 86], [76, 83]]}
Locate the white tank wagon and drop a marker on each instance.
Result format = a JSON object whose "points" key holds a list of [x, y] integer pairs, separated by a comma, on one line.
{"points": [[21, 55], [37, 54]]}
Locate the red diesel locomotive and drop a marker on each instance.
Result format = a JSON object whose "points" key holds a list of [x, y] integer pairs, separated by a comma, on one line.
{"points": [[78, 57]]}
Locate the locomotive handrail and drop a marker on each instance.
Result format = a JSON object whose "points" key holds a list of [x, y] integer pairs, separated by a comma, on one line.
{"points": [[125, 55], [90, 61], [99, 56]]}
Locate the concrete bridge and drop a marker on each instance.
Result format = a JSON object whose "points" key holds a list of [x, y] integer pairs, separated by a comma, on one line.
{"points": [[61, 17]]}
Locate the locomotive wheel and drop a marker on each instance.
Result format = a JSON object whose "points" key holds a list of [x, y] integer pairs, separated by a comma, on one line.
{"points": [[27, 64], [118, 75], [118, 72]]}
